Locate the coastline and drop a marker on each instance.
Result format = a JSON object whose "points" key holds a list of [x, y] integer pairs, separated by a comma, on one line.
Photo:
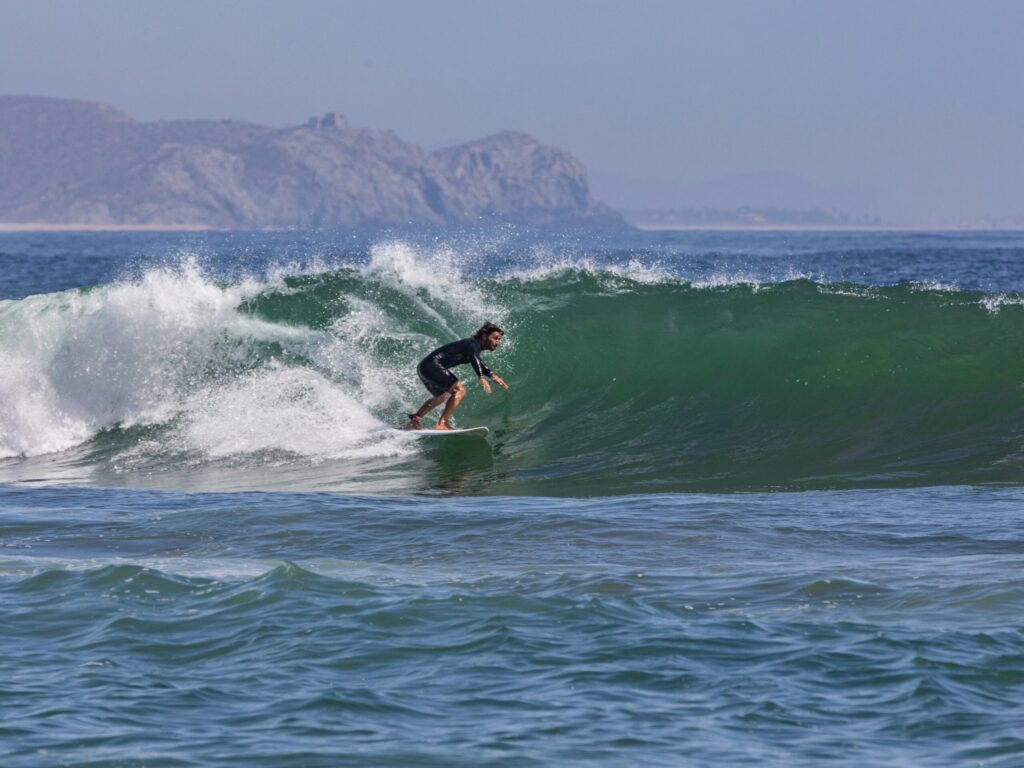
{"points": [[46, 227], [790, 228], [42, 227]]}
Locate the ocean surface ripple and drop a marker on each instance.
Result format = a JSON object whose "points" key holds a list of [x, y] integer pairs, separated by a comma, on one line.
{"points": [[752, 498], [297, 629]]}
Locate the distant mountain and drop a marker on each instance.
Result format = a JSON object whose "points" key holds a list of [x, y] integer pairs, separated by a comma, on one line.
{"points": [[76, 162]]}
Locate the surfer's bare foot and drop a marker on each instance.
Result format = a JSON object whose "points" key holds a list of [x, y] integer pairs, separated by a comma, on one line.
{"points": [[414, 422], [442, 425]]}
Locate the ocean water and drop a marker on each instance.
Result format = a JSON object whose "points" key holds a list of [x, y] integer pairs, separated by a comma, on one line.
{"points": [[750, 498]]}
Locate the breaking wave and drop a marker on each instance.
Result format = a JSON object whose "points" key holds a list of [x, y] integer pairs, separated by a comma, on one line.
{"points": [[623, 379]]}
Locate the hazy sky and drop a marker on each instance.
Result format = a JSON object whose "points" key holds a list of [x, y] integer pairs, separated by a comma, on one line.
{"points": [[920, 100]]}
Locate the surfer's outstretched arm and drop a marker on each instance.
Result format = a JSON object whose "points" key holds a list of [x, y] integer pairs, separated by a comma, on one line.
{"points": [[496, 379]]}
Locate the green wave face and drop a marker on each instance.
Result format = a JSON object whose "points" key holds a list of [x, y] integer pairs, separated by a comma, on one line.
{"points": [[619, 385], [796, 386]]}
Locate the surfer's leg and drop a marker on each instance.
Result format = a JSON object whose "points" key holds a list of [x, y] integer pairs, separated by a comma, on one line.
{"points": [[458, 392], [429, 405], [440, 382]]}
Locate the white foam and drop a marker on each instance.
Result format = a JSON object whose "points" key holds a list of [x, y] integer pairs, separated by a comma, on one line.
{"points": [[855, 291], [634, 270], [295, 410], [431, 277], [77, 362], [650, 272], [382, 383], [995, 303], [935, 286], [172, 348], [434, 279]]}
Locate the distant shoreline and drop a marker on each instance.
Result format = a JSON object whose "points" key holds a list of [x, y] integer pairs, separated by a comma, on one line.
{"points": [[38, 227], [42, 227], [797, 228]]}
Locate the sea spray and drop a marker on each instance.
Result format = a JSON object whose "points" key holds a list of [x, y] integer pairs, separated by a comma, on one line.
{"points": [[81, 361], [624, 378], [375, 609]]}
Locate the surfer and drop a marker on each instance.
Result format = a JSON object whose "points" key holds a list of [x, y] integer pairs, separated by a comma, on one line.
{"points": [[434, 372]]}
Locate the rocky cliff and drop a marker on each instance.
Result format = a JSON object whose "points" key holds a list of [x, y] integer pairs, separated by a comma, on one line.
{"points": [[74, 162]]}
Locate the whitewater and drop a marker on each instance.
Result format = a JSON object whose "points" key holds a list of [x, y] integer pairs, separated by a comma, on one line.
{"points": [[750, 496], [727, 383]]}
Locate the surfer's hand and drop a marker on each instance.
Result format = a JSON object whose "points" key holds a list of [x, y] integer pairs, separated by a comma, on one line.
{"points": [[499, 381], [485, 385]]}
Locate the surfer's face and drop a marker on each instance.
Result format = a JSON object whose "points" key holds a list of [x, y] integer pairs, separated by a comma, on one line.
{"points": [[493, 340]]}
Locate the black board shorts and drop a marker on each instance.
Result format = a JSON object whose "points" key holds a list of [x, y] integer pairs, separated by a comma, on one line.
{"points": [[435, 377]]}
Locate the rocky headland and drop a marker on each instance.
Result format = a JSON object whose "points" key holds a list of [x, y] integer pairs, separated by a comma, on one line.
{"points": [[76, 163]]}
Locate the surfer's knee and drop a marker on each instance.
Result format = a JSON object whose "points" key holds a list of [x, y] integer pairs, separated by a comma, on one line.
{"points": [[458, 390]]}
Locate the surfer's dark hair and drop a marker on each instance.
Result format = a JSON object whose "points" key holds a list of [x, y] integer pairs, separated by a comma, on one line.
{"points": [[486, 330]]}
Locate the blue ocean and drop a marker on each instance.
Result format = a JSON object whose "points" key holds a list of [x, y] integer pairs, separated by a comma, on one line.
{"points": [[751, 498]]}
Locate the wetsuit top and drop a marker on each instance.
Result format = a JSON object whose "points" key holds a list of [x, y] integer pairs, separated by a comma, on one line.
{"points": [[459, 353]]}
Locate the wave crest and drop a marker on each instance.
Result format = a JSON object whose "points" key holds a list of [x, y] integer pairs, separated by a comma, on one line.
{"points": [[624, 379]]}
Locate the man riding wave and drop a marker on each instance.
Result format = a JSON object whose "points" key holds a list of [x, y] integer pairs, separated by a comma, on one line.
{"points": [[434, 371]]}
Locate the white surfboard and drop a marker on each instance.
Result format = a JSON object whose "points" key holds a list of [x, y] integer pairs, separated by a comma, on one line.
{"points": [[428, 432]]}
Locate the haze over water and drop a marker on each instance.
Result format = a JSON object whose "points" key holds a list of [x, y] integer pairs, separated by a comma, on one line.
{"points": [[911, 111]]}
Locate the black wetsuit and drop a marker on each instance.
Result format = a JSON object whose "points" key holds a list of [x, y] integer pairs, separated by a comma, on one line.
{"points": [[433, 369]]}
